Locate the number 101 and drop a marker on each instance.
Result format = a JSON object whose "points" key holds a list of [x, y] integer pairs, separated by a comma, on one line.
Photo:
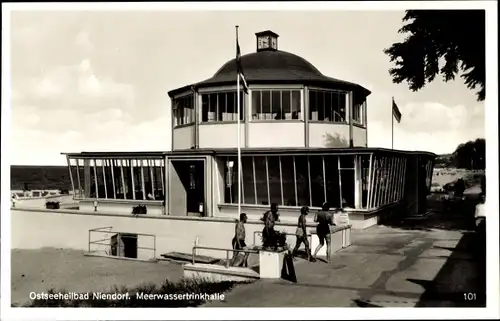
{"points": [[469, 296]]}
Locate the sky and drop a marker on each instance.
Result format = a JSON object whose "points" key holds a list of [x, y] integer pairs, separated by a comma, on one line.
{"points": [[98, 81]]}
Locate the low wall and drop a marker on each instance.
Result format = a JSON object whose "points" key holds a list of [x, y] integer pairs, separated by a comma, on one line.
{"points": [[120, 206], [38, 228]]}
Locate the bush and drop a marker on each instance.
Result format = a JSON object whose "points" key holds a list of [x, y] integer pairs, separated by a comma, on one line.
{"points": [[184, 286], [139, 209], [52, 205]]}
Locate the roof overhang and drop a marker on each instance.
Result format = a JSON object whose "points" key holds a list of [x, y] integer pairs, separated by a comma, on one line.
{"points": [[252, 151]]}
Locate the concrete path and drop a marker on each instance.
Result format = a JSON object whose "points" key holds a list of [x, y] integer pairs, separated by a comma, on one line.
{"points": [[385, 267]]}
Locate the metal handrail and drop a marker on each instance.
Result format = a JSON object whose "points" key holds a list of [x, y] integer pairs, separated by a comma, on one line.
{"points": [[120, 234], [309, 235], [220, 249], [97, 229]]}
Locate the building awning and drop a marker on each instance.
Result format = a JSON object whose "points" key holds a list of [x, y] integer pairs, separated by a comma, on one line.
{"points": [[249, 151]]}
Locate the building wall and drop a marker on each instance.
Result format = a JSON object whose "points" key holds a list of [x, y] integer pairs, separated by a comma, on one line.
{"points": [[183, 137], [328, 135], [218, 184], [220, 135], [359, 136], [276, 134], [177, 193], [284, 134]]}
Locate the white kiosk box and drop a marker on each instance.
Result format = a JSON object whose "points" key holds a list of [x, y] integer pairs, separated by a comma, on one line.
{"points": [[271, 263]]}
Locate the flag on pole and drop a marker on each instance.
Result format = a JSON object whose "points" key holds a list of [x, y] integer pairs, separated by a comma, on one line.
{"points": [[240, 68], [395, 111]]}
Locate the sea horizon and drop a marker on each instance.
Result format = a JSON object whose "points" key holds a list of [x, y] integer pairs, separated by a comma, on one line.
{"points": [[44, 177]]}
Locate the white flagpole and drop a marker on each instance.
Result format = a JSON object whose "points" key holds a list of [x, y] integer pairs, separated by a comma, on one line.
{"points": [[238, 129]]}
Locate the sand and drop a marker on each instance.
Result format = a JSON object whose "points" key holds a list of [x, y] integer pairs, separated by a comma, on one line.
{"points": [[63, 269]]}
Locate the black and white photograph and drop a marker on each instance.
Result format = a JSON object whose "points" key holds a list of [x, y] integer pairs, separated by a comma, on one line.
{"points": [[250, 155]]}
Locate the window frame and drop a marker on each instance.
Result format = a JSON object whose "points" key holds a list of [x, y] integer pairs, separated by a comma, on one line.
{"points": [[175, 110], [361, 110], [319, 89], [272, 89], [218, 92]]}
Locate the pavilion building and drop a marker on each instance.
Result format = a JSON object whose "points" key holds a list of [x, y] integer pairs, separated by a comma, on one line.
{"points": [[303, 142]]}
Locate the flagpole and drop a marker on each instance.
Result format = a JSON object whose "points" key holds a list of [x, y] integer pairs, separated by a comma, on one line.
{"points": [[239, 131], [392, 123]]}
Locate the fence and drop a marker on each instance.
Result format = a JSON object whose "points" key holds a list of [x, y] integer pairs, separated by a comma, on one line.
{"points": [[115, 250]]}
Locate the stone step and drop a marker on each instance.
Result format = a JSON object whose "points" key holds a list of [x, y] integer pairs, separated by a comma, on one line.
{"points": [[186, 257]]}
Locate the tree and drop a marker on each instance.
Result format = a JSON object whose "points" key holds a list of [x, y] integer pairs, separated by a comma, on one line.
{"points": [[455, 37], [471, 155]]}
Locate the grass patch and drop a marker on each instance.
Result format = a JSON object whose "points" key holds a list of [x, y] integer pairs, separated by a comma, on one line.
{"points": [[169, 294]]}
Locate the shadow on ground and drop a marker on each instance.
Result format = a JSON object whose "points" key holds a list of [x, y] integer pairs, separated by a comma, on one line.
{"points": [[465, 291], [450, 287]]}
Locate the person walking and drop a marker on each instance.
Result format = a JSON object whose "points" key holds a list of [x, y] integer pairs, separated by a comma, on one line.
{"points": [[301, 234], [269, 218], [459, 188], [324, 219], [238, 241]]}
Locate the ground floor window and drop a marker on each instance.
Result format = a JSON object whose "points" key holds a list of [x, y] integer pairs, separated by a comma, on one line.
{"points": [[112, 178], [301, 180], [387, 180], [291, 180]]}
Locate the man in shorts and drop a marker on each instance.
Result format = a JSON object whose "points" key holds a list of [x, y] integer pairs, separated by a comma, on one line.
{"points": [[238, 241], [270, 218]]}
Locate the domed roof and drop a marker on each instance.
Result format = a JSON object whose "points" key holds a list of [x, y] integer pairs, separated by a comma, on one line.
{"points": [[274, 67]]}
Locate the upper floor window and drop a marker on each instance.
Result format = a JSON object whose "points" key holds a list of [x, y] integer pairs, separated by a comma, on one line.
{"points": [[221, 106], [184, 110], [327, 106], [276, 104], [357, 112]]}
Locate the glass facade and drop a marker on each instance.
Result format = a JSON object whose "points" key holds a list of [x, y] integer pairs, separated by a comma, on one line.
{"points": [[112, 178], [300, 180]]}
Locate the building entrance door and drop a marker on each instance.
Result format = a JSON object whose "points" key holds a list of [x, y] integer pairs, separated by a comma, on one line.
{"points": [[187, 188]]}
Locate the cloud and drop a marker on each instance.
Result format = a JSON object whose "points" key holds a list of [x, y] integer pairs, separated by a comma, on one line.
{"points": [[73, 87], [37, 146], [425, 125], [428, 126], [82, 41], [71, 108], [97, 80]]}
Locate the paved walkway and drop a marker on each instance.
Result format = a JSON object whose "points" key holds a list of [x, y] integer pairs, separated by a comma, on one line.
{"points": [[385, 267]]}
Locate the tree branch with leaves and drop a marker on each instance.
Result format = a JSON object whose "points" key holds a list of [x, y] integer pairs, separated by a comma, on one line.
{"points": [[441, 42]]}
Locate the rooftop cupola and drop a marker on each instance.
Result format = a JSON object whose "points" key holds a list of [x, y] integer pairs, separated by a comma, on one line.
{"points": [[267, 41]]}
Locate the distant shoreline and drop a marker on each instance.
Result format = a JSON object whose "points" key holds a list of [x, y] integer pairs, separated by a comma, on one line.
{"points": [[34, 177]]}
